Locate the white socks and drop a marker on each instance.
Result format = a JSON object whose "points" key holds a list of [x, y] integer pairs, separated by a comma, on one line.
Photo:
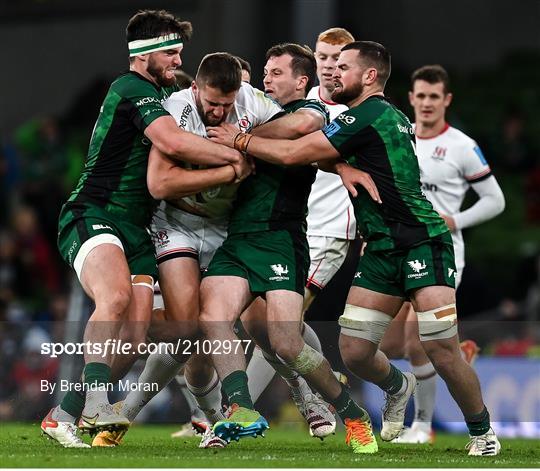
{"points": [[262, 368], [260, 373], [160, 369], [424, 400], [209, 398]]}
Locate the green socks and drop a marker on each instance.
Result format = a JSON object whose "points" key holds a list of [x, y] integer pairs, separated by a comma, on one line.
{"points": [[347, 408], [393, 382], [236, 388], [478, 424]]}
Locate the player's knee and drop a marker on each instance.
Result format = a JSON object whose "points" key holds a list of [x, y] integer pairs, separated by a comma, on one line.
{"points": [[438, 324], [394, 349], [306, 361], [354, 352], [116, 302], [364, 323], [413, 347], [442, 355]]}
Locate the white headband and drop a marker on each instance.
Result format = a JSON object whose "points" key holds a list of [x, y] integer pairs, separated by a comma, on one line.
{"points": [[146, 46]]}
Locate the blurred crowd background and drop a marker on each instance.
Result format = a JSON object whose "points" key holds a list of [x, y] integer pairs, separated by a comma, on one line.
{"points": [[60, 57]]}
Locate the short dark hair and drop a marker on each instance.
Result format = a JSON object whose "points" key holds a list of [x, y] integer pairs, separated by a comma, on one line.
{"points": [[244, 64], [373, 55], [220, 70], [302, 63], [146, 24], [432, 74]]}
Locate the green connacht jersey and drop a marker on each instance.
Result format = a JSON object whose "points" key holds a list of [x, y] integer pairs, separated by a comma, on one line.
{"points": [[114, 175], [378, 138], [275, 197]]}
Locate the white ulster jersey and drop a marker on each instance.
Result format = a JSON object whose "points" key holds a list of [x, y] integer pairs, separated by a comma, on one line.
{"points": [[251, 108], [449, 164], [331, 213]]}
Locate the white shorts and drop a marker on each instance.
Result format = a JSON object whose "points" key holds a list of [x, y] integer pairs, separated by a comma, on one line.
{"points": [[177, 233], [327, 254]]}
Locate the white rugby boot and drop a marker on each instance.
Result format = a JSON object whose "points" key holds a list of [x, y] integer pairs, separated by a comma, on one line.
{"points": [[393, 413], [64, 433], [484, 445]]}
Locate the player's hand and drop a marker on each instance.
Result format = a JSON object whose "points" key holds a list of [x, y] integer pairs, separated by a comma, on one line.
{"points": [[244, 168], [351, 176], [223, 134], [450, 222]]}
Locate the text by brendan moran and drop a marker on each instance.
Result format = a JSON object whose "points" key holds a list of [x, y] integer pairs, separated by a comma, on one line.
{"points": [[122, 385]]}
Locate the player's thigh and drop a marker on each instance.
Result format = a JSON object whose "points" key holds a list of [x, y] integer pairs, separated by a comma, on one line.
{"points": [[376, 283], [429, 273], [284, 319], [105, 275], [223, 298], [254, 321], [179, 281], [393, 343]]}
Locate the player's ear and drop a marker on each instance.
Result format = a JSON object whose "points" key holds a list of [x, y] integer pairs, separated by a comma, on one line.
{"points": [[301, 82], [194, 87], [370, 76], [448, 99]]}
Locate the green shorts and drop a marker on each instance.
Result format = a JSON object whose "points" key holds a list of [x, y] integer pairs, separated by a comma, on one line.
{"points": [[81, 227], [398, 272], [269, 260]]}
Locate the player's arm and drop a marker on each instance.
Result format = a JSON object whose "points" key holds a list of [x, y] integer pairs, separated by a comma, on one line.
{"points": [[167, 180], [292, 125], [313, 147], [490, 203], [181, 145]]}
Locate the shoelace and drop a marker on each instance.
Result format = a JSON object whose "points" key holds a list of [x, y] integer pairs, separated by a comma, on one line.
{"points": [[73, 430], [358, 430], [390, 400], [232, 409], [480, 442]]}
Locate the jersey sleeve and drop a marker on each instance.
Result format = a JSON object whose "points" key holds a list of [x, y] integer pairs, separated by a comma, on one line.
{"points": [[261, 106], [318, 107], [473, 163], [346, 132], [145, 103]]}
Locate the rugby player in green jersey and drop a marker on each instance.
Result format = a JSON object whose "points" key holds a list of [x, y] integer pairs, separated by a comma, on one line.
{"points": [[266, 254], [102, 226], [409, 253]]}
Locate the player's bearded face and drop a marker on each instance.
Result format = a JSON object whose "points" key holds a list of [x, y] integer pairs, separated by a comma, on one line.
{"points": [[162, 68], [345, 94], [213, 106]]}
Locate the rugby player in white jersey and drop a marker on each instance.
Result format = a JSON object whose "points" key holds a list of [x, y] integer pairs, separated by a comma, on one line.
{"points": [[450, 163], [331, 221]]}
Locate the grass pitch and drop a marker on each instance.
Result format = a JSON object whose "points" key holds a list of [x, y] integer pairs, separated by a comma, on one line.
{"points": [[21, 446]]}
